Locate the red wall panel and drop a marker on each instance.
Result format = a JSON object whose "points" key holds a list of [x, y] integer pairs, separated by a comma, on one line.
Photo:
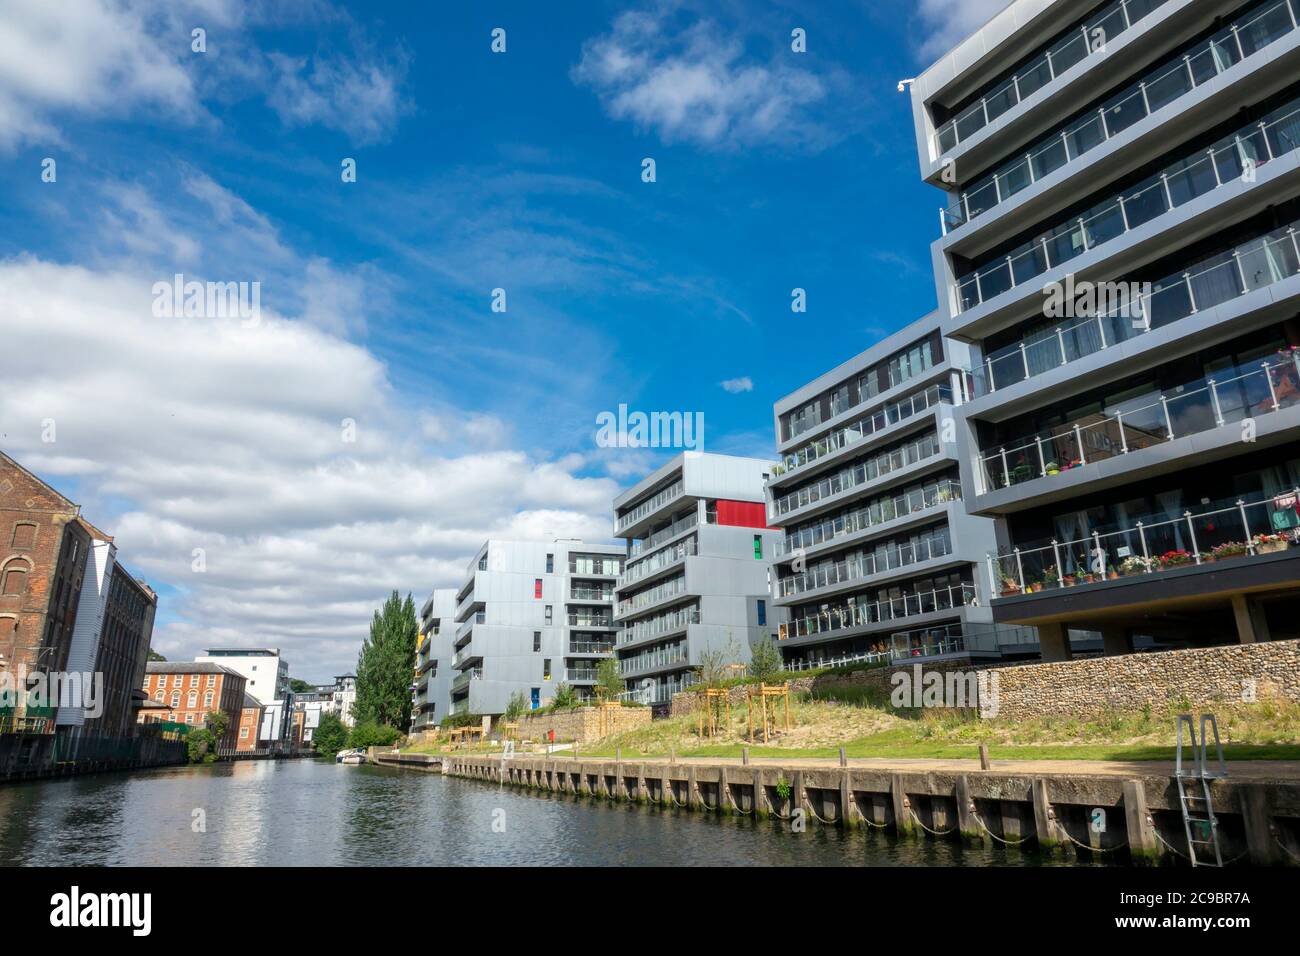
{"points": [[742, 514]]}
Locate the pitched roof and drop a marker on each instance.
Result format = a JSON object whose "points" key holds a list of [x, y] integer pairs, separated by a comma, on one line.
{"points": [[188, 667]]}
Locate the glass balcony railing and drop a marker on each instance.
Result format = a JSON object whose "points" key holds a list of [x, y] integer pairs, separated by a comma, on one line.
{"points": [[608, 567], [1232, 159], [858, 475], [650, 506], [1225, 398], [1199, 65], [591, 647], [842, 617], [1241, 530], [1252, 265], [643, 545], [660, 690], [577, 593], [461, 682], [468, 624], [859, 567], [1076, 46], [853, 433], [656, 626], [651, 596], [877, 512], [675, 554], [653, 660], [585, 674], [591, 620]]}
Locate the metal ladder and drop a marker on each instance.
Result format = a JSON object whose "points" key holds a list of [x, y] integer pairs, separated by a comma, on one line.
{"points": [[1199, 821]]}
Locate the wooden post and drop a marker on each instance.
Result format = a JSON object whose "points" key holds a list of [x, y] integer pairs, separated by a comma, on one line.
{"points": [[848, 810], [1255, 817], [902, 818], [966, 813], [1044, 816], [761, 805], [1142, 843]]}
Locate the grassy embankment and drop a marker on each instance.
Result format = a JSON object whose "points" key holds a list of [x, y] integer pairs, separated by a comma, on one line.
{"points": [[853, 717]]}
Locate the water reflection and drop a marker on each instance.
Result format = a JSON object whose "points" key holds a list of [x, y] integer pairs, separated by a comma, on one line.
{"points": [[303, 813]]}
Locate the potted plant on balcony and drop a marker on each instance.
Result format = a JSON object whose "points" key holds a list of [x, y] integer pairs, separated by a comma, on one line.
{"points": [[1051, 578], [1175, 559], [1052, 468], [1229, 549], [1268, 543], [1009, 586], [1068, 580], [1073, 463], [1135, 565]]}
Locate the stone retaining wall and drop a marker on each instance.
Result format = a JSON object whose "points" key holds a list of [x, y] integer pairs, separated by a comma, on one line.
{"points": [[581, 724], [1099, 685]]}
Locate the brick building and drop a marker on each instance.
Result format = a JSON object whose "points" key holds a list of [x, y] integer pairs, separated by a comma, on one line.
{"points": [[66, 606], [191, 689], [250, 721]]}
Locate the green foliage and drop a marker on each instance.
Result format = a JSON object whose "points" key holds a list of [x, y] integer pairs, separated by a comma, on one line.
{"points": [[608, 677], [300, 686], [460, 720], [783, 787], [217, 721], [385, 665], [764, 660], [201, 745], [331, 736], [155, 656], [370, 734], [516, 706], [565, 696]]}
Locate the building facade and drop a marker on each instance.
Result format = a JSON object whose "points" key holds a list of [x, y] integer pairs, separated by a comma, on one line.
{"points": [[433, 656], [529, 617], [877, 555], [192, 690], [250, 720], [68, 607], [1118, 252], [694, 585], [265, 670]]}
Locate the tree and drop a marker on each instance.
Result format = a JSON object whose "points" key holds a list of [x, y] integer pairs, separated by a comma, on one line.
{"points": [[516, 706], [385, 665], [764, 659], [565, 696], [370, 734], [155, 656], [300, 686], [608, 677], [330, 737], [715, 660], [217, 721]]}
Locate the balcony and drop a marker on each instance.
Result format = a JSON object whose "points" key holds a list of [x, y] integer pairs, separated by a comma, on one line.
{"points": [[591, 620], [462, 632], [1253, 265], [463, 680], [1225, 535], [648, 598], [1201, 64], [1207, 404], [660, 626], [594, 567], [879, 512], [833, 621], [593, 595], [667, 558], [1253, 147], [675, 656], [581, 675], [464, 655], [593, 648], [1033, 76], [873, 469], [645, 545], [648, 507], [852, 434], [861, 567]]}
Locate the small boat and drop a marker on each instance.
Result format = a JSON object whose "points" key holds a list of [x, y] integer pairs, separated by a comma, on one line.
{"points": [[351, 756]]}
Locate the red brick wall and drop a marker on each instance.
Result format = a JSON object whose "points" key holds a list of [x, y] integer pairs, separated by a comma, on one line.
{"points": [[227, 692]]}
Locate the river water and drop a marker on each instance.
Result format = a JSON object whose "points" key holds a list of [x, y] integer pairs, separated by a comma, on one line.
{"points": [[310, 813]]}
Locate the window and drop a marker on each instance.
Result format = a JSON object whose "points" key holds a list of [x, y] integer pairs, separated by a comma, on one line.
{"points": [[176, 680], [158, 696], [176, 699], [758, 547], [548, 614], [192, 700], [243, 733], [15, 580], [762, 613], [24, 535], [537, 588], [194, 680], [189, 718], [546, 669], [212, 680], [207, 697], [550, 564], [537, 641]]}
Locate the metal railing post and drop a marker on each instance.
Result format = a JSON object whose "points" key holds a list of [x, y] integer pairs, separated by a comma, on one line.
{"points": [[1191, 530], [1245, 524], [1214, 401], [1146, 555], [1060, 569], [1042, 462], [1272, 392], [1020, 570], [1060, 342], [1078, 441], [1123, 438], [1169, 423], [1006, 472]]}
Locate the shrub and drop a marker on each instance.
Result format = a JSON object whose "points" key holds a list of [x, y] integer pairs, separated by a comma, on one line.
{"points": [[369, 734]]}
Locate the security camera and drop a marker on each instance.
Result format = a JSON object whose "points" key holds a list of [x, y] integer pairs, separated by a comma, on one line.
{"points": [[903, 84]]}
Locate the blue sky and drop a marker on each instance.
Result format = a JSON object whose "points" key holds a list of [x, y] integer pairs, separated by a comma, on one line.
{"points": [[475, 170]]}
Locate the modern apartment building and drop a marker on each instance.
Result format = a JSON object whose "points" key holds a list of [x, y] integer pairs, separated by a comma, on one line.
{"points": [[266, 671], [433, 656], [695, 579], [529, 617], [878, 555], [1118, 252]]}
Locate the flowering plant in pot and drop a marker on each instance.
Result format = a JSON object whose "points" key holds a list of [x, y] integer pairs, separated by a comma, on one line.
{"points": [[1268, 543], [1229, 549], [1176, 558], [1010, 586]]}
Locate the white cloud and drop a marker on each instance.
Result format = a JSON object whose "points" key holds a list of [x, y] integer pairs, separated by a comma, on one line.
{"points": [[359, 99], [229, 439], [947, 22], [697, 85], [737, 385]]}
